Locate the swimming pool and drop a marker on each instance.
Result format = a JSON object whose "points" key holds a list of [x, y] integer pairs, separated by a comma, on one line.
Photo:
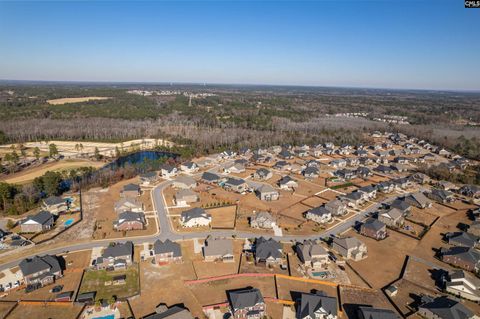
{"points": [[68, 222], [321, 274], [105, 317]]}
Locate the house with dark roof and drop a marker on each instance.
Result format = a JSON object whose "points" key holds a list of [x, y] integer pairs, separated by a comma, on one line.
{"points": [[463, 239], [374, 228], [148, 178], [376, 313], [116, 256], [472, 191], [129, 221], [166, 252], [54, 204], [236, 184], [40, 270], [247, 303], [189, 167], [400, 204], [386, 187], [39, 222], [173, 312], [463, 284], [418, 200], [316, 306], [444, 308], [287, 182], [462, 257], [130, 190], [336, 207], [268, 251], [262, 174], [441, 196], [345, 174], [168, 171], [195, 217], [210, 178], [354, 199], [382, 169], [370, 192], [311, 172], [363, 172], [312, 254], [319, 214]]}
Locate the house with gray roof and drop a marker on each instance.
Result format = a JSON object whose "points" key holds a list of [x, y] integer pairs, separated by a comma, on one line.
{"points": [[268, 251], [354, 199], [218, 249], [54, 204], [418, 200], [267, 193], [319, 214], [311, 172], [262, 174], [195, 217], [129, 221], [39, 222], [116, 256], [189, 167], [168, 171], [167, 252], [472, 191], [336, 207], [173, 312], [463, 284], [247, 303], [185, 196], [184, 182], [130, 190], [374, 228], [210, 178], [350, 248], [376, 313], [392, 217], [444, 308], [463, 239], [262, 220], [312, 254], [148, 178], [441, 196], [128, 204], [236, 184], [461, 257], [316, 306], [41, 270], [287, 182]]}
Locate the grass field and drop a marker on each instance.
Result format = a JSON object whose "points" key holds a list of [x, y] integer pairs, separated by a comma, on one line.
{"points": [[94, 280], [30, 174], [67, 100]]}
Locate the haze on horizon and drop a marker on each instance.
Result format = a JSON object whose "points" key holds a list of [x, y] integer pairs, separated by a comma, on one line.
{"points": [[383, 44]]}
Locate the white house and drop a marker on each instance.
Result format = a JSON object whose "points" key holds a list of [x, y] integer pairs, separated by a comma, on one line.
{"points": [[195, 217]]}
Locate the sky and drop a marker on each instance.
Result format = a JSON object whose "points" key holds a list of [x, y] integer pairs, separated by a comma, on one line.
{"points": [[415, 44]]}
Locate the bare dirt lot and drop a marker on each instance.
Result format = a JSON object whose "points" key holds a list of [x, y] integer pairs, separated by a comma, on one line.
{"points": [[53, 311], [223, 217], [352, 297]]}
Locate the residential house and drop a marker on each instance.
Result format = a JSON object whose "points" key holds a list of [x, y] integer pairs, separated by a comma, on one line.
{"points": [[382, 169], [352, 161], [167, 252], [374, 228], [168, 171], [185, 196], [312, 254], [211, 178], [54, 204], [441, 196], [474, 228], [189, 167], [463, 239], [319, 214], [446, 185], [129, 221], [420, 178], [39, 222], [40, 270], [283, 166], [418, 200], [338, 163], [234, 168], [369, 191], [363, 172], [354, 199], [285, 154], [400, 168], [184, 182], [316, 306], [267, 193], [336, 207], [470, 191], [148, 178], [386, 187], [375, 313], [350, 248], [345, 174], [128, 204], [392, 217], [130, 190], [402, 183], [218, 249], [174, 312], [228, 154], [463, 284], [116, 256], [236, 184], [262, 220], [401, 204], [310, 172], [247, 303], [287, 182], [444, 308], [195, 217], [462, 257], [268, 251], [262, 174]]}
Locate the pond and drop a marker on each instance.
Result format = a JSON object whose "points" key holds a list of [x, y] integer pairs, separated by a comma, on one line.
{"points": [[138, 158]]}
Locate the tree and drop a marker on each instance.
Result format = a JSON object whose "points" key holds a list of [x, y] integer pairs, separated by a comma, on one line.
{"points": [[36, 152], [98, 156], [53, 151], [52, 183], [117, 152]]}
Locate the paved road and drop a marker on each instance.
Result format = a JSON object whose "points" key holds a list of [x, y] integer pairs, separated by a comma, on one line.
{"points": [[166, 231]]}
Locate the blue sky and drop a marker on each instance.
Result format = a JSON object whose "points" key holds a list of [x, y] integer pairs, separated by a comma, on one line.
{"points": [[394, 44]]}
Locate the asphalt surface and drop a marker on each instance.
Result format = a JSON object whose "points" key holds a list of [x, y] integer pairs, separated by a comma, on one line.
{"points": [[167, 232]]}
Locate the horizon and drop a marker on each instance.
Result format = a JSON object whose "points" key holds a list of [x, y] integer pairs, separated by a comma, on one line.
{"points": [[346, 44]]}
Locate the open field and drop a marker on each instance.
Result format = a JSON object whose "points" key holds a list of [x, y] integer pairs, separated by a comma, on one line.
{"points": [[30, 174], [223, 217], [40, 310], [67, 100], [5, 307], [101, 282]]}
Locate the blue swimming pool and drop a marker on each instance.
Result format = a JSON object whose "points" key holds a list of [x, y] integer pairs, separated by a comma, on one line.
{"points": [[320, 274], [106, 317], [68, 222]]}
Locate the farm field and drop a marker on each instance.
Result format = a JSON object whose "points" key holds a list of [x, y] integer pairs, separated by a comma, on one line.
{"points": [[67, 100]]}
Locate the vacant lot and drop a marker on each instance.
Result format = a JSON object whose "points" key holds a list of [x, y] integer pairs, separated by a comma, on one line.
{"points": [[385, 256], [5, 307], [31, 173], [67, 100], [40, 310], [101, 282], [223, 217], [291, 289]]}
